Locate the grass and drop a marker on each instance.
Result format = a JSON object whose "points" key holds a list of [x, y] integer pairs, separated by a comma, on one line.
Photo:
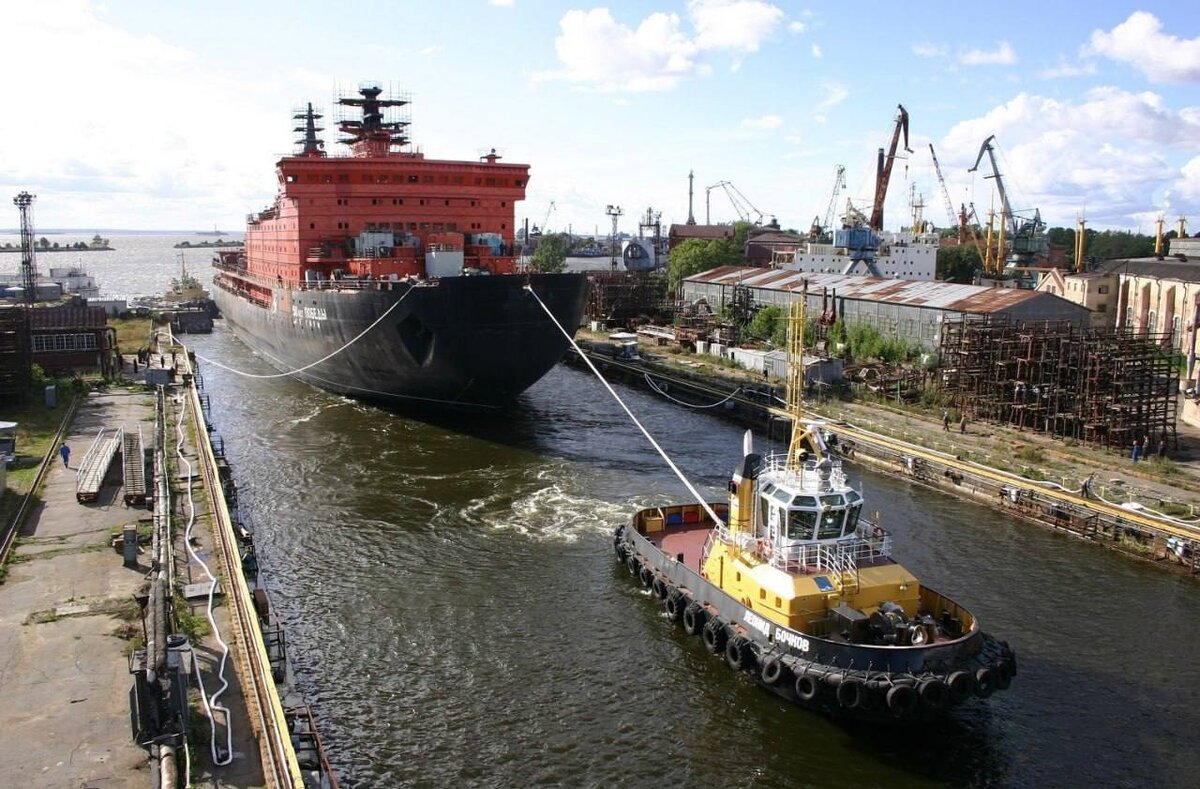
{"points": [[132, 333], [192, 625], [36, 426]]}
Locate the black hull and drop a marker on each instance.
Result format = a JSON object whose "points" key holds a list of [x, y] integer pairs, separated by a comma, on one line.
{"points": [[470, 341], [843, 680]]}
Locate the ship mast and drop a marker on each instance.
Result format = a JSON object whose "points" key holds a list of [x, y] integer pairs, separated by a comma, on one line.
{"points": [[373, 135], [802, 439]]}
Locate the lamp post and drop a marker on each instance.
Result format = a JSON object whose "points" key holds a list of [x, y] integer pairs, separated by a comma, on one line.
{"points": [[615, 212]]}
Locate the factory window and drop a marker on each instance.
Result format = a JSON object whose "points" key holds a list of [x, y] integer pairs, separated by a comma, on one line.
{"points": [[1103, 289]]}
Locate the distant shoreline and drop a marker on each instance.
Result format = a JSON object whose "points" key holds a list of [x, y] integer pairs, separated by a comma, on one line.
{"points": [[41, 250]]}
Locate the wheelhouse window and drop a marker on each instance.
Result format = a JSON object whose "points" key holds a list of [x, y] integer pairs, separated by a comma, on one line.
{"points": [[800, 524], [833, 517]]}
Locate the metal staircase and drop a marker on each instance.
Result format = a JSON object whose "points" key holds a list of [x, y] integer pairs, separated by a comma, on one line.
{"points": [[95, 464]]}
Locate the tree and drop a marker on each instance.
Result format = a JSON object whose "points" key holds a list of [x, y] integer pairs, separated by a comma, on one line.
{"points": [[44, 242], [762, 325], [550, 257], [741, 232], [696, 255], [958, 264]]}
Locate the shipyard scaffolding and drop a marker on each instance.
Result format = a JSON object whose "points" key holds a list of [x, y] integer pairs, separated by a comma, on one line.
{"points": [[15, 361], [623, 298], [1102, 388]]}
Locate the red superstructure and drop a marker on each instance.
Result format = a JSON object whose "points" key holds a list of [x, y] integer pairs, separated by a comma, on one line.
{"points": [[385, 212]]}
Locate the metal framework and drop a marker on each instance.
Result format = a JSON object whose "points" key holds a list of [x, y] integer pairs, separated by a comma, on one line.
{"points": [[24, 202], [1105, 388]]}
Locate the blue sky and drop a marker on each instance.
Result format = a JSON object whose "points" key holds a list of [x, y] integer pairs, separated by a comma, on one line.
{"points": [[150, 115]]}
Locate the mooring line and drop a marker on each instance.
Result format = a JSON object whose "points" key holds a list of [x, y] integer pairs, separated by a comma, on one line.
{"points": [[687, 484], [325, 358], [663, 392]]}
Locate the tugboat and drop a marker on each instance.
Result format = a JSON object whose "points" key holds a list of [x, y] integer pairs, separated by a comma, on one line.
{"points": [[791, 585]]}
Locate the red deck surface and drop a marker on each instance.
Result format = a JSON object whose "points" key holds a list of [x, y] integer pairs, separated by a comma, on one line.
{"points": [[687, 540]]}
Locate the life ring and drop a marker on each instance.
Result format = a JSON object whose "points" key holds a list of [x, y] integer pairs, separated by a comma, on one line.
{"points": [[693, 619], [960, 684], [985, 682], [660, 587], [806, 687], [735, 653], [1004, 675], [674, 605], [772, 670], [850, 693], [647, 576], [715, 635], [901, 700], [934, 694]]}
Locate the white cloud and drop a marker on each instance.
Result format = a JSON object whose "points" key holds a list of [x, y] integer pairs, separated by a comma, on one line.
{"points": [[764, 123], [1140, 42], [796, 26], [835, 94], [1187, 185], [816, 51], [1064, 69], [1108, 151], [432, 49], [1002, 55], [597, 50], [927, 50], [502, 3]]}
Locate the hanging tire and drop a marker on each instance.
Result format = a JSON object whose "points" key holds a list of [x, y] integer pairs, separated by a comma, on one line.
{"points": [[960, 684], [693, 619], [1004, 675], [851, 692], [632, 563], [735, 653], [772, 671], [661, 588], [715, 636], [934, 694], [674, 605], [901, 700], [647, 576], [807, 687], [985, 682]]}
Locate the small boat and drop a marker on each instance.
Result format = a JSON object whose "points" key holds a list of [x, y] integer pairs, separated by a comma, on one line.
{"points": [[791, 585]]}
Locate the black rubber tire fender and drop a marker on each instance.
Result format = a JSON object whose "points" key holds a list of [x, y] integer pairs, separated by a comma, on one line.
{"points": [[735, 653], [1004, 675], [901, 700], [674, 605], [694, 618], [661, 588], [807, 687], [631, 561], [985, 682], [647, 576], [960, 684], [773, 670], [715, 636], [619, 547], [851, 692], [934, 694]]}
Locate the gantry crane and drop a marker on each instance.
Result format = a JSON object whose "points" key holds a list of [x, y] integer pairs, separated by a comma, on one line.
{"points": [[884, 168]]}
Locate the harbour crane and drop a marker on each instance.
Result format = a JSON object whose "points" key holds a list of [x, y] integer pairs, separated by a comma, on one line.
{"points": [[820, 228], [1004, 204], [950, 212], [1026, 240], [741, 205], [884, 168], [546, 222]]}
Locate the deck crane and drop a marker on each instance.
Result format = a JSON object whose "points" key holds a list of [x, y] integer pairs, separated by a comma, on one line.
{"points": [[820, 228], [741, 205], [950, 212], [883, 169]]}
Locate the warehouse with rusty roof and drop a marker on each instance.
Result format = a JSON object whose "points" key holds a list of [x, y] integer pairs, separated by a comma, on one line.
{"points": [[913, 310]]}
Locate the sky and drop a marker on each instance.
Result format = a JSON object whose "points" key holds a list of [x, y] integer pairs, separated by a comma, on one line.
{"points": [[145, 115]]}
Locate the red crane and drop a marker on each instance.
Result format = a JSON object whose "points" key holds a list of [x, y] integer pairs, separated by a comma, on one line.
{"points": [[884, 168]]}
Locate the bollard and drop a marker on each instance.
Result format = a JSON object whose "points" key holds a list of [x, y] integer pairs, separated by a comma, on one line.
{"points": [[129, 535]]}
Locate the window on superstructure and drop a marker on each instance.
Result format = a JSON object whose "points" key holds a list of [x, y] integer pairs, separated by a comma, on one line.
{"points": [[424, 225], [412, 179], [441, 179], [326, 179], [343, 178], [367, 178], [491, 182], [427, 179], [291, 179], [478, 181], [422, 201], [518, 182], [412, 225], [383, 179], [473, 202], [438, 227], [447, 202], [452, 226], [504, 204]]}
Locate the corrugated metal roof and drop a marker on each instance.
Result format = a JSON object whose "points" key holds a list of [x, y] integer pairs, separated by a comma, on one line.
{"points": [[918, 293]]}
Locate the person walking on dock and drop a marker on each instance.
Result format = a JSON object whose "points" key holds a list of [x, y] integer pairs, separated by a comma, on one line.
{"points": [[1137, 449], [65, 453], [962, 424], [946, 421], [1085, 490]]}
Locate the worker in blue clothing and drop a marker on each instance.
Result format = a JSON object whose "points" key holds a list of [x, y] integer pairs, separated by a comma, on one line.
{"points": [[65, 453]]}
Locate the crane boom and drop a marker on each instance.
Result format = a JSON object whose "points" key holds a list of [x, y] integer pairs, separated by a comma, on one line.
{"points": [[884, 168], [1004, 205], [741, 205], [937, 168], [839, 182]]}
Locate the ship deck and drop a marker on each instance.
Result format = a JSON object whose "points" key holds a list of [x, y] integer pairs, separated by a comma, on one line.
{"points": [[685, 543]]}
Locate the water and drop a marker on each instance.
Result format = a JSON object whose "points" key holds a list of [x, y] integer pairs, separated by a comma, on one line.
{"points": [[456, 616]]}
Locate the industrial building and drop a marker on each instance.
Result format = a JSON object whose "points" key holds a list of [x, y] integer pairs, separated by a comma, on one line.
{"points": [[910, 310]]}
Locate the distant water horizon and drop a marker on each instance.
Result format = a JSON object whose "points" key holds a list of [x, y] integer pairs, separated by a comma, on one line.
{"points": [[62, 231]]}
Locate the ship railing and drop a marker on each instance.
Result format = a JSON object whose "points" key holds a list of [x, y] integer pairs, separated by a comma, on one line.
{"points": [[845, 556], [810, 476]]}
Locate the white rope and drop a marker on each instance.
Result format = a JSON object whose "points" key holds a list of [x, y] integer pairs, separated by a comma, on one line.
{"points": [[699, 499], [210, 703], [323, 358], [663, 392]]}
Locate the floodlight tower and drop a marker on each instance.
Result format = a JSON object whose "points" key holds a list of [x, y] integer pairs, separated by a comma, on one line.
{"points": [[24, 202], [615, 212]]}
